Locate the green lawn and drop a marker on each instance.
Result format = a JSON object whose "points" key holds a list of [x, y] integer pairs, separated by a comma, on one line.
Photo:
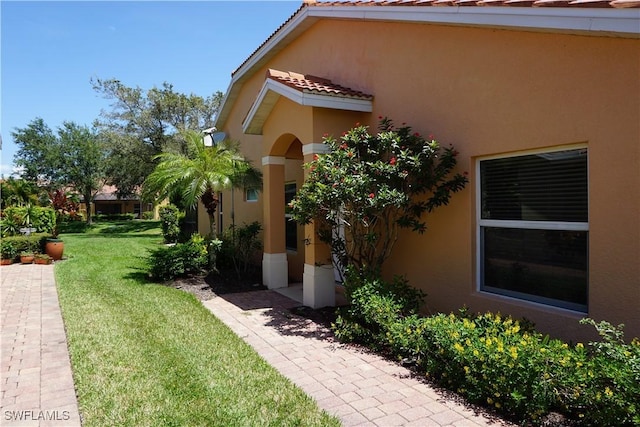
{"points": [[150, 355]]}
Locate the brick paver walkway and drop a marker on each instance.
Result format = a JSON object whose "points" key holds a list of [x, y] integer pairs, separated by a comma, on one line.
{"points": [[360, 388], [37, 384]]}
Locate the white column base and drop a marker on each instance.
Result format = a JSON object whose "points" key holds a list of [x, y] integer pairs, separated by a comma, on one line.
{"points": [[318, 286], [275, 272]]}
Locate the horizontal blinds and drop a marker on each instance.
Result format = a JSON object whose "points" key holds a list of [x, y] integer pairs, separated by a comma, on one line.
{"points": [[536, 187]]}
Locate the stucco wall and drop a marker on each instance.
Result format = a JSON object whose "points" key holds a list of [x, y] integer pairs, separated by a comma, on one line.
{"points": [[487, 92]]}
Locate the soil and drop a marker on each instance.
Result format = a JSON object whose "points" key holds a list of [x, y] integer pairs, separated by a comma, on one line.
{"points": [[213, 284]]}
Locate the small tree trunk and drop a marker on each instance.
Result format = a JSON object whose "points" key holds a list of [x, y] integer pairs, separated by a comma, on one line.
{"points": [[87, 203]]}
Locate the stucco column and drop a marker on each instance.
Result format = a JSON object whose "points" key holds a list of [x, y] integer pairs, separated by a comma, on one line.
{"points": [[318, 281], [274, 259]]}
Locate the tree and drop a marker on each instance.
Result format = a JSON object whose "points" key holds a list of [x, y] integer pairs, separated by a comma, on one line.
{"points": [[200, 173], [33, 156], [73, 158], [82, 161], [369, 186], [141, 125]]}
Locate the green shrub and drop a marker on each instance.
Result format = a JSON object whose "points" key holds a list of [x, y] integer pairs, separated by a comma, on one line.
{"points": [[170, 223], [115, 217], [33, 243], [8, 250], [603, 386], [15, 217], [498, 361], [179, 260], [239, 247], [147, 215], [375, 306]]}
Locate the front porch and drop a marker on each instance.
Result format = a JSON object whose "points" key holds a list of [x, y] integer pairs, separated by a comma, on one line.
{"points": [[293, 113]]}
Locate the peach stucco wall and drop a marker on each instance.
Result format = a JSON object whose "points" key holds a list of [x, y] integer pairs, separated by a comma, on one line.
{"points": [[487, 91]]}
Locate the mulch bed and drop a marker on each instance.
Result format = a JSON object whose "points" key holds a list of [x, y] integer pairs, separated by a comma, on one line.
{"points": [[214, 284]]}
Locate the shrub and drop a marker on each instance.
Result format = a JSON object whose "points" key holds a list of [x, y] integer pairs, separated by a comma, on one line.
{"points": [[15, 217], [179, 260], [170, 222], [7, 250], [239, 247], [370, 185], [33, 243], [147, 215], [375, 306], [499, 361], [115, 217]]}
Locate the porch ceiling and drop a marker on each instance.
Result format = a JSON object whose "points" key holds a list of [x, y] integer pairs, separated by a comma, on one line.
{"points": [[304, 90]]}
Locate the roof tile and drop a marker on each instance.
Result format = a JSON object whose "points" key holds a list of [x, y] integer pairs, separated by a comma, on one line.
{"points": [[313, 84]]}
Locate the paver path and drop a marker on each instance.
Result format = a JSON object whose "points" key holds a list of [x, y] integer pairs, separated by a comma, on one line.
{"points": [[37, 384], [360, 388]]}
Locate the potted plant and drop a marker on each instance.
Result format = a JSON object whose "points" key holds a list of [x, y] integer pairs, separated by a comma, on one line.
{"points": [[26, 257], [42, 259], [8, 252], [63, 206]]}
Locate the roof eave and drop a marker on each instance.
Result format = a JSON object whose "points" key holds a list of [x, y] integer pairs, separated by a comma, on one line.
{"points": [[272, 90], [589, 21]]}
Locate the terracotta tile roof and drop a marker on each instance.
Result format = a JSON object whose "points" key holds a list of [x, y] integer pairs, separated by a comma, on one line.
{"points": [[591, 3], [313, 84]]}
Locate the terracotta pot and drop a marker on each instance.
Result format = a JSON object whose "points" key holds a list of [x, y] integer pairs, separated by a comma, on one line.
{"points": [[6, 261], [42, 261], [26, 259], [54, 248]]}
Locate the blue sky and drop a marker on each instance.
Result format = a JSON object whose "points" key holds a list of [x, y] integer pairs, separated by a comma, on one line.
{"points": [[51, 50]]}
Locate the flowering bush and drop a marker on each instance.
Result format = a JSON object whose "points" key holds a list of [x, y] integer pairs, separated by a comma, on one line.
{"points": [[369, 185], [504, 363]]}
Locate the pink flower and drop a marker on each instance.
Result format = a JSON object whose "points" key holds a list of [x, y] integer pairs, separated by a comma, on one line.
{"points": [[315, 157], [416, 134], [392, 161], [371, 196]]}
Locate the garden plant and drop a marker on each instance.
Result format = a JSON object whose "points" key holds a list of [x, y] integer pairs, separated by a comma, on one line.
{"points": [[369, 186]]}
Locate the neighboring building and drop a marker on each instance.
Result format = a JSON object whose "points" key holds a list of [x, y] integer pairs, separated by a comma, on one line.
{"points": [[543, 104], [106, 202]]}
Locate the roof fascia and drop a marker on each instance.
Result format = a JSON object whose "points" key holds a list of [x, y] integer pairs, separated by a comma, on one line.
{"points": [[585, 21], [263, 105]]}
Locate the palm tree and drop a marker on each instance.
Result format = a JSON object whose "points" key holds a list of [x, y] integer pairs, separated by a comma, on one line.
{"points": [[201, 173]]}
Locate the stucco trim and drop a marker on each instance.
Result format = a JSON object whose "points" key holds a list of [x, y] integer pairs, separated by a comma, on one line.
{"points": [[315, 148], [272, 90], [273, 160]]}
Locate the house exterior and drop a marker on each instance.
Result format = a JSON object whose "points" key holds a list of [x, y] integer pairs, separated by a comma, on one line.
{"points": [[543, 105], [107, 202]]}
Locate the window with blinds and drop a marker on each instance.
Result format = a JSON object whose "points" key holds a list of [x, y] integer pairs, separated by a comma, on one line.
{"points": [[533, 227]]}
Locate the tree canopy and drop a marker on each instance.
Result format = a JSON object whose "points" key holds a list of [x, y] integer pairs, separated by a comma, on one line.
{"points": [[73, 157], [200, 172], [143, 124]]}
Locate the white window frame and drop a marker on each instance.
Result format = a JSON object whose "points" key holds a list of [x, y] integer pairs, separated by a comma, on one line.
{"points": [[533, 225]]}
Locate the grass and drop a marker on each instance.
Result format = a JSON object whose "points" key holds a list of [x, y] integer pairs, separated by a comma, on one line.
{"points": [[148, 355]]}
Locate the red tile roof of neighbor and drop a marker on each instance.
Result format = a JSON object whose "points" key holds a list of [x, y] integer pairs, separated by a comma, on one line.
{"points": [[313, 84]]}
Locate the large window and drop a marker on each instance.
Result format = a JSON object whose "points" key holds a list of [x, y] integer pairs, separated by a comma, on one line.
{"points": [[290, 226], [534, 227]]}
